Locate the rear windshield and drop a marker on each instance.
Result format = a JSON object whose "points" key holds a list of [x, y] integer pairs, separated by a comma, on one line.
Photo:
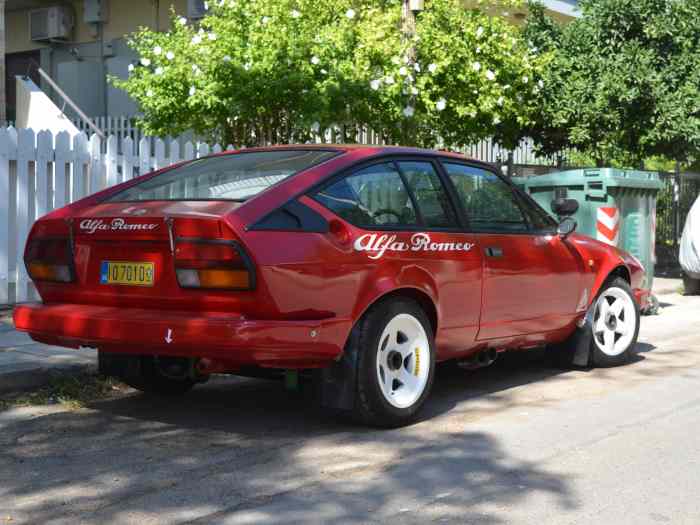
{"points": [[230, 177]]}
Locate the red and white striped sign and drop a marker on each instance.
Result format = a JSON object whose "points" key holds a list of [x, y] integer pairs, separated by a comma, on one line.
{"points": [[653, 233], [608, 225]]}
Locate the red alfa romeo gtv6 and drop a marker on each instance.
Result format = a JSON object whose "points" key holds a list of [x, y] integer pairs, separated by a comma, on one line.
{"points": [[365, 264]]}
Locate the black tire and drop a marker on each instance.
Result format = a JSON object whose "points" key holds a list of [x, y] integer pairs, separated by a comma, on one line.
{"points": [[600, 358], [691, 286], [142, 373], [371, 404]]}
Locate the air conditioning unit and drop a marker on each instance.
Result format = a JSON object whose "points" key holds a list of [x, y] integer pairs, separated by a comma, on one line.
{"points": [[50, 23], [196, 9]]}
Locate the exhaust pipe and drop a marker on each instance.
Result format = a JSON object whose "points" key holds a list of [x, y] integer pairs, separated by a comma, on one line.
{"points": [[480, 360]]}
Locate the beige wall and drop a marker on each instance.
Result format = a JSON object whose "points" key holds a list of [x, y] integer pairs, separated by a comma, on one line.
{"points": [[125, 17]]}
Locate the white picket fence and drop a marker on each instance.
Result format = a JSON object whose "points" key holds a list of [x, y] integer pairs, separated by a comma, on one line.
{"points": [[40, 172]]}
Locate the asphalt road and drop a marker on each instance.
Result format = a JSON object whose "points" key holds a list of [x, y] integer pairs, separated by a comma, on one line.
{"points": [[516, 443]]}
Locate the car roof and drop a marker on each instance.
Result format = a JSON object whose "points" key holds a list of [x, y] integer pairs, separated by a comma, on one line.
{"points": [[369, 150]]}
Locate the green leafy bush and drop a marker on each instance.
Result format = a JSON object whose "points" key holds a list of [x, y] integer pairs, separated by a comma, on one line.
{"points": [[256, 71]]}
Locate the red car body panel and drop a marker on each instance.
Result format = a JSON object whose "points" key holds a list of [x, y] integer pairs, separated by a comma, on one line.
{"points": [[311, 287]]}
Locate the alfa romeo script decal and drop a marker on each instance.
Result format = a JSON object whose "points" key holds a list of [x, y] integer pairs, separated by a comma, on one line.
{"points": [[378, 245], [90, 226]]}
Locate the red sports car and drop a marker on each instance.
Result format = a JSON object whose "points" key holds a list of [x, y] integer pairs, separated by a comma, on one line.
{"points": [[367, 265]]}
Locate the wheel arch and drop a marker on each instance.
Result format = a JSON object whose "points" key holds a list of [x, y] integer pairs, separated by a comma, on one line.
{"points": [[620, 271], [417, 295]]}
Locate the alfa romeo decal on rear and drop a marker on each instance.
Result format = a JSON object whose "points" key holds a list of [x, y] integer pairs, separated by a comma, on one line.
{"points": [[90, 226], [378, 245]]}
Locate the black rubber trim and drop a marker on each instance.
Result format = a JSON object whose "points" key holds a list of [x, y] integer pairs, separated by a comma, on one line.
{"points": [[292, 217]]}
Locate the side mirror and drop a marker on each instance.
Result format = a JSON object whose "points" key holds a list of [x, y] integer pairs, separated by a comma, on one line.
{"points": [[564, 207], [566, 227]]}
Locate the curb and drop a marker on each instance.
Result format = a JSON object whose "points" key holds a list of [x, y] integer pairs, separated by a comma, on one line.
{"points": [[36, 377]]}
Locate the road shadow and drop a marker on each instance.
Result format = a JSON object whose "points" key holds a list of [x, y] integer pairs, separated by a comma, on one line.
{"points": [[643, 348], [240, 446]]}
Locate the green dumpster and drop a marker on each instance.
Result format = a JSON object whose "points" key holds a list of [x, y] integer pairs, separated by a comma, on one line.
{"points": [[617, 207]]}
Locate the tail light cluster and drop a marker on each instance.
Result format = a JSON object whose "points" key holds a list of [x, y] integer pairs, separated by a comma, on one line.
{"points": [[50, 260], [213, 264]]}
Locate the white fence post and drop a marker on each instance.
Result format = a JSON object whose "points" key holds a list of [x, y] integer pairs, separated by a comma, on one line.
{"points": [[189, 151], [111, 161], [97, 176], [62, 180], [44, 174], [6, 219], [26, 157], [160, 161], [144, 156], [80, 160], [127, 159], [174, 152]]}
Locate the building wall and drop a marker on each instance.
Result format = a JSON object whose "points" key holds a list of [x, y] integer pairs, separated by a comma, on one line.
{"points": [[80, 67], [125, 16]]}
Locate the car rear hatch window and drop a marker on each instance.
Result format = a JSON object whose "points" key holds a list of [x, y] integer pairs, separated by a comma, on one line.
{"points": [[236, 177]]}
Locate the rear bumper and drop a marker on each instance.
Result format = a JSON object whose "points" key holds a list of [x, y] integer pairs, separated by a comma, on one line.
{"points": [[230, 337]]}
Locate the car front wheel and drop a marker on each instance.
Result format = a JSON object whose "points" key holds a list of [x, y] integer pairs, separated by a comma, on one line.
{"points": [[615, 325], [396, 363]]}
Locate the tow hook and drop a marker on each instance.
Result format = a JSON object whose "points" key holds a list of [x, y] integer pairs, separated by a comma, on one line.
{"points": [[480, 360]]}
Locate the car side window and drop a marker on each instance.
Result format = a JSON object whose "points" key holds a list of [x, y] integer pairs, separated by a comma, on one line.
{"points": [[490, 204], [372, 197], [430, 195]]}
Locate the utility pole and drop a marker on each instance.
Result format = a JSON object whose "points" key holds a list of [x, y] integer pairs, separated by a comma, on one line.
{"points": [[409, 10], [408, 24]]}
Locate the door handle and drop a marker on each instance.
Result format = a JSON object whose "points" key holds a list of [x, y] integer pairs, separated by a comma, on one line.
{"points": [[494, 251]]}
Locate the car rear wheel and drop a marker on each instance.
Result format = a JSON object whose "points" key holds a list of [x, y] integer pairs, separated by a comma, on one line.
{"points": [[396, 363], [615, 324]]}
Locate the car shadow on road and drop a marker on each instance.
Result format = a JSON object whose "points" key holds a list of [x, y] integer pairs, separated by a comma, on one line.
{"points": [[240, 446]]}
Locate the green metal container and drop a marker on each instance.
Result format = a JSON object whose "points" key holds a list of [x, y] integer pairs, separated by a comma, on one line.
{"points": [[617, 207]]}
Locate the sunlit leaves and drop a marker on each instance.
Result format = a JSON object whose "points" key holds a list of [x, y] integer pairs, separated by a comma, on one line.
{"points": [[271, 70]]}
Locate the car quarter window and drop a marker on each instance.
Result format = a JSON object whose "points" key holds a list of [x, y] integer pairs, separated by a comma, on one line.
{"points": [[372, 197], [489, 203], [539, 219], [430, 194]]}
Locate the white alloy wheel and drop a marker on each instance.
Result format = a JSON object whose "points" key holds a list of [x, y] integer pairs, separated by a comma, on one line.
{"points": [[614, 322], [403, 361]]}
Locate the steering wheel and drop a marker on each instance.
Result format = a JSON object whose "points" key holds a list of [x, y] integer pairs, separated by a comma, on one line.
{"points": [[387, 211]]}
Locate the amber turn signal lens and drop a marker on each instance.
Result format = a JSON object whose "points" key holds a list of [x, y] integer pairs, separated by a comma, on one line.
{"points": [[214, 278], [49, 272], [224, 279]]}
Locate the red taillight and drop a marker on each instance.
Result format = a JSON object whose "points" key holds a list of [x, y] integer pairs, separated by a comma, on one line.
{"points": [[50, 260], [213, 264]]}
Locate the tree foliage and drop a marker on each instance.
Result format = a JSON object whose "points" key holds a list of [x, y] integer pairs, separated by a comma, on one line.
{"points": [[273, 70], [624, 80]]}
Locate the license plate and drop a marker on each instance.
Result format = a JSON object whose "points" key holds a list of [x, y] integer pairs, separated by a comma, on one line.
{"points": [[127, 273]]}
